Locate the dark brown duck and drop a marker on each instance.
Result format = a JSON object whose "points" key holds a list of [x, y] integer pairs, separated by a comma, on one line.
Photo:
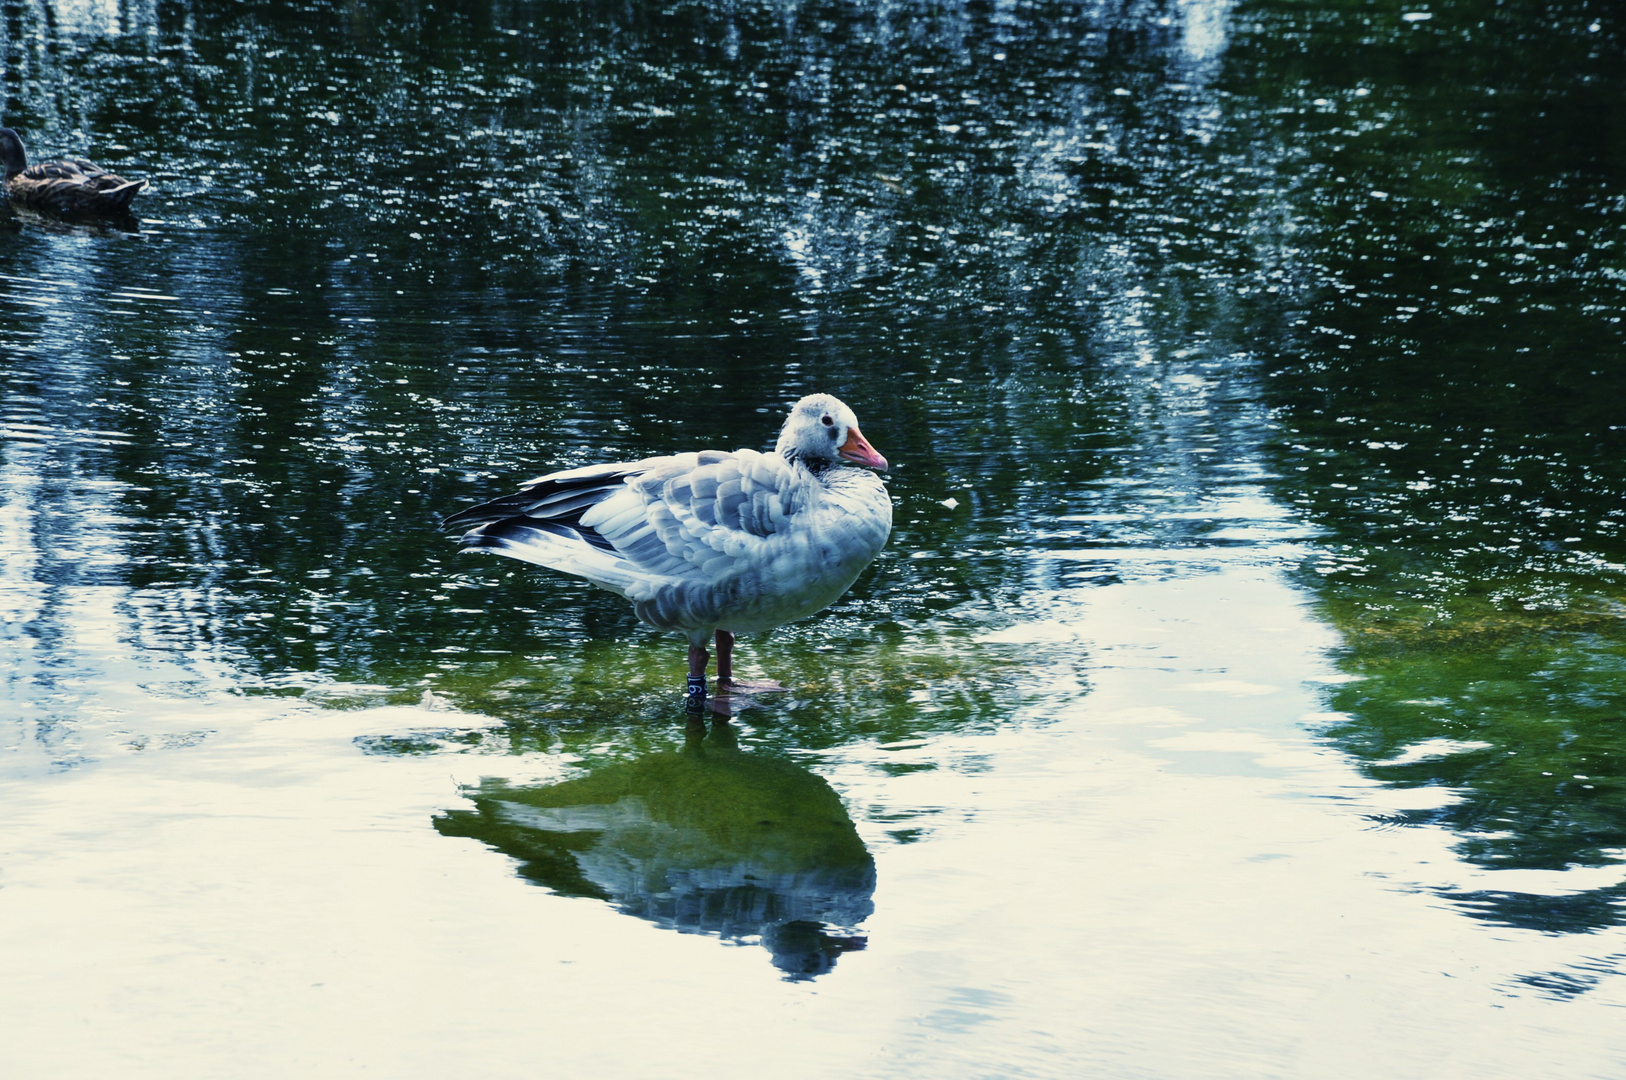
{"points": [[71, 186]]}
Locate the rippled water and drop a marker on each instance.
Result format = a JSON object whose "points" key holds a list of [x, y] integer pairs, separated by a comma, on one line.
{"points": [[1240, 692]]}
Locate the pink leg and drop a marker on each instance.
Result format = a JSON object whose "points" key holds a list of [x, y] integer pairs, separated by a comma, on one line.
{"points": [[725, 669], [725, 659]]}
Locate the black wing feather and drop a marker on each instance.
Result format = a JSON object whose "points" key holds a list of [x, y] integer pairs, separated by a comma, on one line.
{"points": [[564, 498]]}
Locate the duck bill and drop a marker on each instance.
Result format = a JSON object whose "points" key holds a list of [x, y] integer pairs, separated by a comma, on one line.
{"points": [[858, 451]]}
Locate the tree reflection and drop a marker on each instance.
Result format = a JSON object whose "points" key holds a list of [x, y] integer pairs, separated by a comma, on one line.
{"points": [[703, 840], [1449, 404], [399, 254]]}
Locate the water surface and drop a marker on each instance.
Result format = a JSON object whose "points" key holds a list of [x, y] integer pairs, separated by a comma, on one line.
{"points": [[1239, 693]]}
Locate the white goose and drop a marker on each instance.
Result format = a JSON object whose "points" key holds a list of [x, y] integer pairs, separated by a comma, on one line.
{"points": [[708, 542]]}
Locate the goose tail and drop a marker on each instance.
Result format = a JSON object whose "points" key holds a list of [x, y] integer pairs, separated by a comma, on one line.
{"points": [[562, 546]]}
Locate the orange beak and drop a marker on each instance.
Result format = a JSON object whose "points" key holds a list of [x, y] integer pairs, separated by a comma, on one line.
{"points": [[858, 450]]}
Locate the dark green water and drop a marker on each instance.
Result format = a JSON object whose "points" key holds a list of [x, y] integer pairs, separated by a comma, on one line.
{"points": [[1248, 661]]}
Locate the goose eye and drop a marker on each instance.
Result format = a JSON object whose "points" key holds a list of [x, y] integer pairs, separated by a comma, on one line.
{"points": [[828, 422]]}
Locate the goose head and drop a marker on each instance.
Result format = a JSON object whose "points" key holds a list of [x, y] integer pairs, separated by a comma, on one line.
{"points": [[13, 158], [821, 431]]}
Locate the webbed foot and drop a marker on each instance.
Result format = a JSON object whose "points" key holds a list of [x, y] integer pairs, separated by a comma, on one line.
{"points": [[730, 686]]}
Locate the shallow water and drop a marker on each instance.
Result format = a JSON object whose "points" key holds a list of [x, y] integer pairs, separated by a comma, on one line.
{"points": [[1239, 693]]}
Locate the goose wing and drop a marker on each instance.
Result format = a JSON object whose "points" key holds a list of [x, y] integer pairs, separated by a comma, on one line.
{"points": [[701, 515], [688, 519]]}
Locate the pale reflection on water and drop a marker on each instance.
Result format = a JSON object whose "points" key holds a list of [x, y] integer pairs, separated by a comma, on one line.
{"points": [[1139, 871]]}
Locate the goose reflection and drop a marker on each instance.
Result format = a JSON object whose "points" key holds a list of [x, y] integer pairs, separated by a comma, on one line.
{"points": [[705, 840]]}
